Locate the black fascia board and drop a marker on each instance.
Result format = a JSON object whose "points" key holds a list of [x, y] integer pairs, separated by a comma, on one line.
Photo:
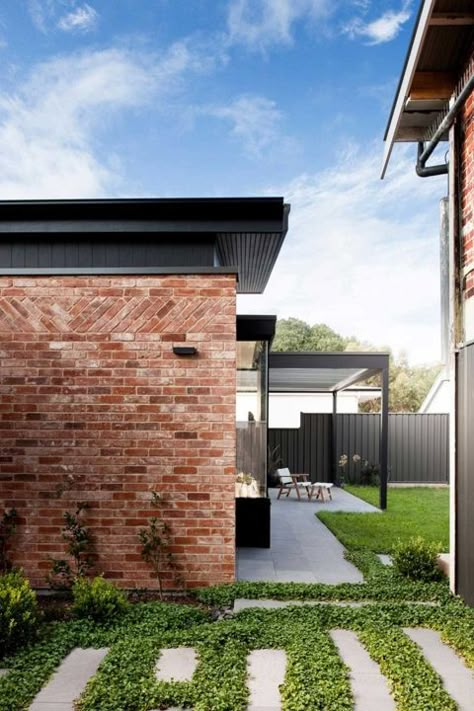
{"points": [[185, 215], [343, 359], [255, 328]]}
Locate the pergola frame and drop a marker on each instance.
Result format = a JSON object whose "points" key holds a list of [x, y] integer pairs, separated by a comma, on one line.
{"points": [[306, 367]]}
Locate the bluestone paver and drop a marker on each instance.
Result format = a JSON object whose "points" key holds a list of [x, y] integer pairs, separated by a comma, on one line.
{"points": [[369, 686], [245, 604], [265, 672], [3, 672], [302, 548], [177, 664], [458, 680], [69, 681], [385, 559]]}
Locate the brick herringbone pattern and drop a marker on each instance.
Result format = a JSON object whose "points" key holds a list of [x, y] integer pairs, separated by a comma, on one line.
{"points": [[94, 402]]}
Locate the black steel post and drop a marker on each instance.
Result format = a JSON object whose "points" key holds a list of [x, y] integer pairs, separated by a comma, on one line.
{"points": [[334, 436], [384, 441]]}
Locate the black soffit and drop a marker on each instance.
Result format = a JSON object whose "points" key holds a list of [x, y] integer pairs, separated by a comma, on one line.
{"points": [[249, 232]]}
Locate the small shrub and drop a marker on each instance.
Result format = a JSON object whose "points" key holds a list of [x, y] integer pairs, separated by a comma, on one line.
{"points": [[18, 612], [416, 559], [79, 548], [98, 599]]}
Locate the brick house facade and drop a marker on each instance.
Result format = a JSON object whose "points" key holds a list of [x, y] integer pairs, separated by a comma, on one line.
{"points": [[96, 406], [434, 106]]}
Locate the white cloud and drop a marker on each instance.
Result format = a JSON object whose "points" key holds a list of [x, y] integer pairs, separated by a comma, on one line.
{"points": [[50, 125], [66, 15], [361, 254], [384, 29], [255, 122], [81, 19], [261, 23]]}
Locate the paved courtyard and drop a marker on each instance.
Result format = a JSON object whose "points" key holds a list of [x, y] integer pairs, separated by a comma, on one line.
{"points": [[302, 549]]}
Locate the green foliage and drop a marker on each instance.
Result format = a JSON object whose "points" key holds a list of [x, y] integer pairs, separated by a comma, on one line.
{"points": [[412, 511], [8, 524], [18, 612], [316, 677], [416, 559], [98, 599], [79, 548], [292, 334]]}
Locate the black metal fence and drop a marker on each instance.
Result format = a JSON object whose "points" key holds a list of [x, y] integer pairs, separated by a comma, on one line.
{"points": [[418, 446]]}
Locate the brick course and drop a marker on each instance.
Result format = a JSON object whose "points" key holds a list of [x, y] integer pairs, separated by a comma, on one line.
{"points": [[467, 192], [92, 398]]}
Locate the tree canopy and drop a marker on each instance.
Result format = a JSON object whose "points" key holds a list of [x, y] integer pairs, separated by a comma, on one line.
{"points": [[409, 385]]}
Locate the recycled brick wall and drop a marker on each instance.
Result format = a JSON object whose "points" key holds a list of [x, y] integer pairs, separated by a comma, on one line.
{"points": [[94, 404], [467, 192]]}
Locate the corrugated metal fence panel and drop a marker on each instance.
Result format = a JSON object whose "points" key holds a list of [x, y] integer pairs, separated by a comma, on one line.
{"points": [[418, 445], [307, 449], [357, 434], [464, 475]]}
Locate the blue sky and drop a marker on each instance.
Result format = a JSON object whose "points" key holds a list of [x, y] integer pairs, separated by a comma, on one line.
{"points": [[237, 97]]}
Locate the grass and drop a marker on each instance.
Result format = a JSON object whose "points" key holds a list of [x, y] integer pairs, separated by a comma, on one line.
{"points": [[316, 677], [417, 511]]}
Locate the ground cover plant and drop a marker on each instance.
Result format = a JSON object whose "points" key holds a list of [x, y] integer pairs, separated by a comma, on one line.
{"points": [[414, 511], [316, 677]]}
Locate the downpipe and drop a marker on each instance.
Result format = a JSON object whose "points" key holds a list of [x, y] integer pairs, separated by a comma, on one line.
{"points": [[424, 153]]}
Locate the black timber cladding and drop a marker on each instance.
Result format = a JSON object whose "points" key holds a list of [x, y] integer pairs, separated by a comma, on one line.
{"points": [[237, 234], [465, 475]]}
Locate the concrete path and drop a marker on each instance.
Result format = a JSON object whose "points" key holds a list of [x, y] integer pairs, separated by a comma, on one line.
{"points": [[69, 681], [458, 680], [303, 549], [369, 686], [266, 671]]}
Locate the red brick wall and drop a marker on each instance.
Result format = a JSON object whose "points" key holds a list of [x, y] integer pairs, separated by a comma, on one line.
{"points": [[467, 192], [93, 397]]}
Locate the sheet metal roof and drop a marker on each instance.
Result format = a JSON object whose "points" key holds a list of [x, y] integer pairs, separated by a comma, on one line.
{"points": [[322, 372]]}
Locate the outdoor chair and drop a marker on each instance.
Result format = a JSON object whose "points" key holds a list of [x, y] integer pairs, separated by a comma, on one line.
{"points": [[289, 481]]}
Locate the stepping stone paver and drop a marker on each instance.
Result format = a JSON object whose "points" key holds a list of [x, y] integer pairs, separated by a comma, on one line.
{"points": [[178, 664], [69, 680], [3, 672], [266, 671], [458, 680], [245, 604], [369, 686], [385, 559]]}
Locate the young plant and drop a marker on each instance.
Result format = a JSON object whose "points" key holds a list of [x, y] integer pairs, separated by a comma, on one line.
{"points": [[416, 559], [8, 524], [156, 541], [79, 549]]}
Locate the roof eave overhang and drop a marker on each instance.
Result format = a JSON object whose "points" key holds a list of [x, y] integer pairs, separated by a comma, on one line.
{"points": [[414, 52]]}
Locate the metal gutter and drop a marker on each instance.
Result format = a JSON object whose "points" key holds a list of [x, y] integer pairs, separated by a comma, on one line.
{"points": [[424, 153]]}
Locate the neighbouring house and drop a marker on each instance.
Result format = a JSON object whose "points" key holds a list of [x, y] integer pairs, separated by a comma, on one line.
{"points": [[118, 350], [437, 400], [434, 104]]}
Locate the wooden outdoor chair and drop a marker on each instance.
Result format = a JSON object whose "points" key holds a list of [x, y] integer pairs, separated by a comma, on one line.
{"points": [[290, 482]]}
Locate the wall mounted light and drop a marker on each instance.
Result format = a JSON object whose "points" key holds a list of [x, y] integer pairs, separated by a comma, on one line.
{"points": [[184, 350]]}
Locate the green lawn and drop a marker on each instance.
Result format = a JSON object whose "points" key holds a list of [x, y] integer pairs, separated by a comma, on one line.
{"points": [[418, 511]]}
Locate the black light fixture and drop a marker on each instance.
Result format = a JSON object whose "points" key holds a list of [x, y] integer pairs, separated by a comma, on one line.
{"points": [[185, 350]]}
